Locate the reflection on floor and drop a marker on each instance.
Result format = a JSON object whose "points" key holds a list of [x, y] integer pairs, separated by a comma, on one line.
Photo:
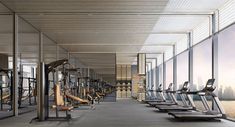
{"points": [[123, 113], [229, 108]]}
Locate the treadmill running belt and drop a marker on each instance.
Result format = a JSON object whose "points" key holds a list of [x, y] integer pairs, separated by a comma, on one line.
{"points": [[174, 107], [195, 115]]}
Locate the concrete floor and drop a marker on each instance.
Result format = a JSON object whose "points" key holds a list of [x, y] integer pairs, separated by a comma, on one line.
{"points": [[123, 113]]}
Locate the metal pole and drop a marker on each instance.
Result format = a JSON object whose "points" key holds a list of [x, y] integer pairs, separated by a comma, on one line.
{"points": [[214, 55], [174, 68], [41, 56], [57, 58], [164, 72], [41, 111], [190, 58], [41, 82], [15, 62]]}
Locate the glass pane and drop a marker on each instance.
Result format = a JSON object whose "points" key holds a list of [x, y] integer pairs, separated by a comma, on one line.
{"points": [[27, 62], [226, 62], [202, 64], [182, 44], [202, 68], [6, 53], [169, 72], [63, 54], [49, 50], [182, 69], [169, 53], [160, 74]]}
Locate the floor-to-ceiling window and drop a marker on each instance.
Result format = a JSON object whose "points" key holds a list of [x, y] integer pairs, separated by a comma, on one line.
{"points": [[182, 69], [169, 72], [226, 69], [202, 63], [159, 70], [202, 68], [160, 74]]}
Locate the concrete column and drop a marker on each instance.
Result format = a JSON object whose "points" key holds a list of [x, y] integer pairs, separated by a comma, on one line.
{"points": [[190, 69], [15, 62], [41, 110]]}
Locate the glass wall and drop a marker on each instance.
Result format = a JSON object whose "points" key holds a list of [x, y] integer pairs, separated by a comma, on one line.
{"points": [[28, 54], [226, 70], [154, 73], [6, 53], [202, 64], [182, 69], [169, 72], [49, 50], [159, 70]]}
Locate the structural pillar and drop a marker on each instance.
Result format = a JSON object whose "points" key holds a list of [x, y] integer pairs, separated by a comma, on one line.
{"points": [[174, 69], [190, 63], [164, 72], [41, 110], [15, 63]]}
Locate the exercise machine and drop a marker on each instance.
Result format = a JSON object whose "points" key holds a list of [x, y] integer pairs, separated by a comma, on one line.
{"points": [[171, 101], [187, 101], [43, 92], [210, 113], [159, 98]]}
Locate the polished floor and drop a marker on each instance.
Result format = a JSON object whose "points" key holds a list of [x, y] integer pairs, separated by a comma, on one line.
{"points": [[123, 113]]}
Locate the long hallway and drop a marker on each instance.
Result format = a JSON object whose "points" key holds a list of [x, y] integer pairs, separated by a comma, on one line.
{"points": [[123, 113]]}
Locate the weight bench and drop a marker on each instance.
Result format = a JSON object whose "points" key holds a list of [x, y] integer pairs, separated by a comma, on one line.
{"points": [[82, 101], [60, 105]]}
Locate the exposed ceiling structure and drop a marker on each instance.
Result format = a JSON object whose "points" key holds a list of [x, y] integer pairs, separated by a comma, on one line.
{"points": [[95, 30]]}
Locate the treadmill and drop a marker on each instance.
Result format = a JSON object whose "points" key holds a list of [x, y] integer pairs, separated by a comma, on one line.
{"points": [[171, 96], [159, 98], [185, 98], [209, 113]]}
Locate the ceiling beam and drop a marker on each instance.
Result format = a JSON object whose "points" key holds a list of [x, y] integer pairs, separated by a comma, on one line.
{"points": [[90, 13], [114, 52], [99, 32], [77, 44]]}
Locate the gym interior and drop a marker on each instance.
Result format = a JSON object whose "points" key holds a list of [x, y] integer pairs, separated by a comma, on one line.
{"points": [[117, 63]]}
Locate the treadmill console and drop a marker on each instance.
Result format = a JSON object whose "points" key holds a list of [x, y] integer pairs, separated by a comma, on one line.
{"points": [[209, 85], [170, 86], [160, 87], [185, 86]]}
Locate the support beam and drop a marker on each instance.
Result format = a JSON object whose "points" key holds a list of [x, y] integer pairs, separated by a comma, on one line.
{"points": [[155, 74], [174, 68], [124, 32], [15, 63], [90, 13], [190, 69], [41, 110], [117, 44], [164, 72], [215, 61], [41, 57], [214, 49], [112, 52]]}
